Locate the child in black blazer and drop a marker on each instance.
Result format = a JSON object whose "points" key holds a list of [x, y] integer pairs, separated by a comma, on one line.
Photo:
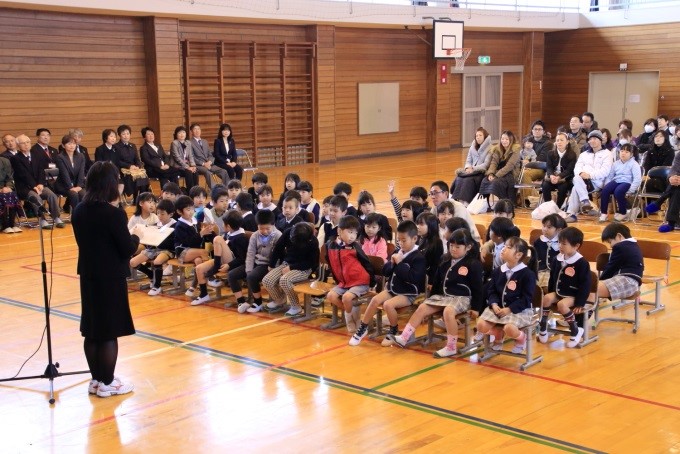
{"points": [[457, 288], [509, 295], [622, 276], [569, 285], [548, 246], [404, 280]]}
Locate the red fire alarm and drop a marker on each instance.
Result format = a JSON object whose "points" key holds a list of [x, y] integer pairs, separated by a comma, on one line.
{"points": [[443, 75]]}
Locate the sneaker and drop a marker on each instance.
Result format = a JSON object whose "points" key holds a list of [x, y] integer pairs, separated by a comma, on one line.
{"points": [[603, 218], [215, 283], [573, 341], [445, 353], [652, 208], [294, 311], [8, 230], [200, 300], [571, 219], [478, 337], [518, 348], [254, 308], [593, 213], [154, 291], [243, 307], [665, 228], [387, 341], [543, 337], [167, 271], [620, 217], [45, 225], [398, 340], [59, 223], [497, 346], [92, 387], [356, 337], [190, 291], [317, 301], [116, 387], [273, 305], [17, 230]]}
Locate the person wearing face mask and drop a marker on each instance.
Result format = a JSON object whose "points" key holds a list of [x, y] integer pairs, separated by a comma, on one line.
{"points": [[625, 137], [645, 140]]}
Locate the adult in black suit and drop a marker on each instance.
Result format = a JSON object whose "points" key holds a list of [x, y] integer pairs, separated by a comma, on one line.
{"points": [[106, 153], [225, 152], [29, 178], [77, 135], [156, 160], [128, 158], [71, 180], [42, 145], [104, 249], [10, 143]]}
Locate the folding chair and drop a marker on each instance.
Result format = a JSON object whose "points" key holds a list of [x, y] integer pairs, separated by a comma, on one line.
{"points": [[592, 306], [602, 260], [464, 321], [528, 330], [519, 186], [379, 331], [241, 153], [653, 250], [643, 195]]}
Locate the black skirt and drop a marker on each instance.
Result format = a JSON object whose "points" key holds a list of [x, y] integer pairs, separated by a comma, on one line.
{"points": [[105, 309], [465, 188]]}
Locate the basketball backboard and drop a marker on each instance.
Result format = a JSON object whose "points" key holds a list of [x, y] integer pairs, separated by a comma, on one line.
{"points": [[447, 35]]}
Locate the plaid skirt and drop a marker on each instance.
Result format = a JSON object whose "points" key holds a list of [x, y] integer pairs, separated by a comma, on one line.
{"points": [[621, 286], [459, 303], [519, 320]]}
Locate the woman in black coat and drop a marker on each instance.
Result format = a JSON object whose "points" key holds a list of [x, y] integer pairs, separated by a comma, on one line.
{"points": [[559, 169], [225, 152], [71, 179], [104, 250]]}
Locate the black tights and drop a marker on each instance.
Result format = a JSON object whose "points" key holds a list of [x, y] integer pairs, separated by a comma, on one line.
{"points": [[101, 357]]}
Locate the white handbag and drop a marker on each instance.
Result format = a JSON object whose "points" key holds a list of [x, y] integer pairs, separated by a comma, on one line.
{"points": [[478, 205]]}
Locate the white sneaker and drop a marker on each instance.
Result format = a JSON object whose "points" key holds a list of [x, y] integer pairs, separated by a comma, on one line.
{"points": [[603, 217], [200, 300], [445, 353], [155, 291], [294, 311], [620, 217], [17, 229], [190, 291], [398, 340], [92, 387], [387, 341], [8, 230], [215, 283], [573, 341], [254, 308], [356, 337], [167, 271], [273, 305], [543, 337], [243, 307], [478, 337], [116, 387]]}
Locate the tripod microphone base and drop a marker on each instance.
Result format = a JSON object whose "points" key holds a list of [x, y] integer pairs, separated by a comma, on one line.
{"points": [[51, 372]]}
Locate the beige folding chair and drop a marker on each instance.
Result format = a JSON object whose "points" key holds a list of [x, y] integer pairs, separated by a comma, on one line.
{"points": [[634, 299]]}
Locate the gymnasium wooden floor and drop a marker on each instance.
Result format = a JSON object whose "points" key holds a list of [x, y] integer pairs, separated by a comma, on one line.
{"points": [[212, 380]]}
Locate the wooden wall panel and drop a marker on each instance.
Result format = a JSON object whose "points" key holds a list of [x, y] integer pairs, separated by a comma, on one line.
{"points": [[324, 37], [62, 71], [572, 55], [366, 55], [512, 101]]}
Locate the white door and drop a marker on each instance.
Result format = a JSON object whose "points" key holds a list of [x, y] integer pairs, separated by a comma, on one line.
{"points": [[613, 96], [482, 98]]}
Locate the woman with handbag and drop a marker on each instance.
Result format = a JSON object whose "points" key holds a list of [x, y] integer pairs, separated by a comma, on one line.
{"points": [[468, 179]]}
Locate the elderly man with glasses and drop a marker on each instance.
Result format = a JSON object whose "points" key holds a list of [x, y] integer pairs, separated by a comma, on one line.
{"points": [[31, 185], [439, 192]]}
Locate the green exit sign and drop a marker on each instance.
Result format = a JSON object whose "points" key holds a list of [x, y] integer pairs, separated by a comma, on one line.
{"points": [[484, 59]]}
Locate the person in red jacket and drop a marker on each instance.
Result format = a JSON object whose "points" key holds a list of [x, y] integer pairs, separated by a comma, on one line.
{"points": [[351, 270]]}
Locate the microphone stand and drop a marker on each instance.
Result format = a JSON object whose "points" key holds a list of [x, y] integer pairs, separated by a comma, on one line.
{"points": [[51, 371]]}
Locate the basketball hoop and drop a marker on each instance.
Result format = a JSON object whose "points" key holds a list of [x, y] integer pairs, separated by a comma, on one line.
{"points": [[460, 54]]}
